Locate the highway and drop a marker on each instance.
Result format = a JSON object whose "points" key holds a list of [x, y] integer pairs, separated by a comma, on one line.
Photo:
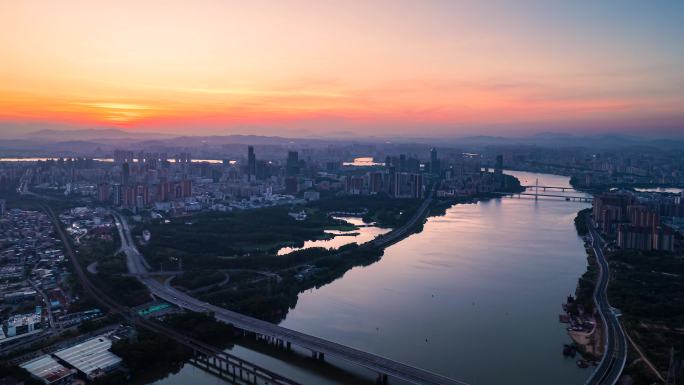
{"points": [[381, 365], [400, 233], [615, 353], [198, 346]]}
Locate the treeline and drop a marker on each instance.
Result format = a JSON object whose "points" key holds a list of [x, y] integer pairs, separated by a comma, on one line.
{"points": [[110, 270], [270, 299], [14, 374], [648, 287], [234, 234], [152, 354], [202, 327], [382, 209], [149, 350], [195, 279], [109, 278], [584, 293], [581, 222]]}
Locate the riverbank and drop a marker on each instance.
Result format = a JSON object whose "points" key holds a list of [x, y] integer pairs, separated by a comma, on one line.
{"points": [[585, 329], [465, 286]]}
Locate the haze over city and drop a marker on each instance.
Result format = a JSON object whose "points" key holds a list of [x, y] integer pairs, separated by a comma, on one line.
{"points": [[329, 192], [339, 69]]}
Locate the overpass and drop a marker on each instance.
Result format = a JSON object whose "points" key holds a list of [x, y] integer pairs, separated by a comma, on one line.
{"points": [[384, 367]]}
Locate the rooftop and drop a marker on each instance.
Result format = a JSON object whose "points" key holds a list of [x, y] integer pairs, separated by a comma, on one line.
{"points": [[91, 356], [48, 369]]}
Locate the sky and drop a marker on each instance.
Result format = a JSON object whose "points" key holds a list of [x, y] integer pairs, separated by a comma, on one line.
{"points": [[343, 68]]}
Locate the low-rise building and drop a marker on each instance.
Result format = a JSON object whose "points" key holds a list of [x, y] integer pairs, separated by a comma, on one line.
{"points": [[92, 358], [24, 323], [47, 370]]}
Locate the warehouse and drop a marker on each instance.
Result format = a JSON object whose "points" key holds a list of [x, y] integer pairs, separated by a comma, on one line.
{"points": [[92, 357], [47, 370]]}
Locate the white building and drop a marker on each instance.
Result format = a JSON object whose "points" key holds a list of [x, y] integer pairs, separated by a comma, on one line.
{"points": [[24, 323], [92, 357]]}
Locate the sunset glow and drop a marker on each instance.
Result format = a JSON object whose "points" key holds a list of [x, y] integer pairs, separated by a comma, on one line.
{"points": [[394, 67]]}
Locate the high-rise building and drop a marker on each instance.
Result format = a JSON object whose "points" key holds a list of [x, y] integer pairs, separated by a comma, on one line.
{"points": [[292, 165], [117, 194], [376, 182], [186, 188], [498, 167], [402, 163], [434, 162], [498, 172], [125, 173], [103, 192], [251, 164]]}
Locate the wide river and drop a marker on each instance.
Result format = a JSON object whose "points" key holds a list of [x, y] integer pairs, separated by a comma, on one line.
{"points": [[475, 296]]}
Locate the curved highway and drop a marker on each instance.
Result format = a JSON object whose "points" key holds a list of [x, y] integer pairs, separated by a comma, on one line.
{"points": [[615, 353]]}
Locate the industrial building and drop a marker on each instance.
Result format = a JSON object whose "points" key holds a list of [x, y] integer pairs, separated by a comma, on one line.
{"points": [[92, 358], [47, 370]]}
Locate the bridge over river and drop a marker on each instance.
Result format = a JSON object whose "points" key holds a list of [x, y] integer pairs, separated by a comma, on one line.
{"points": [[319, 347]]}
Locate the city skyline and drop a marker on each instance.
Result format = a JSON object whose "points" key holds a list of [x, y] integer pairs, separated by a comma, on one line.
{"points": [[437, 69]]}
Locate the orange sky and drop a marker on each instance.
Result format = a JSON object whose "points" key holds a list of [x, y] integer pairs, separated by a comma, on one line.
{"points": [[433, 68]]}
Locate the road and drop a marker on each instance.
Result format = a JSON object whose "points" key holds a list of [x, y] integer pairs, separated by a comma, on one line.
{"points": [[381, 365], [46, 300], [400, 233], [615, 355], [110, 303]]}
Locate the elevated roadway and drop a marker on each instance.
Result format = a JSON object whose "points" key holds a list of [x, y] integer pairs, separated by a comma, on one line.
{"points": [[384, 367]]}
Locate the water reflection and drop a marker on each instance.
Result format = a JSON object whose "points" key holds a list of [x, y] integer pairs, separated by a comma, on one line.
{"points": [[363, 162], [474, 296], [364, 233]]}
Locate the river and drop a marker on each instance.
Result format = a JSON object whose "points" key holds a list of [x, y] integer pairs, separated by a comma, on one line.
{"points": [[363, 233], [474, 296]]}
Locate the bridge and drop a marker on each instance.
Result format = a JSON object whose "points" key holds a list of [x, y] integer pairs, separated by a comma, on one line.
{"points": [[569, 198], [533, 191], [272, 333], [544, 188]]}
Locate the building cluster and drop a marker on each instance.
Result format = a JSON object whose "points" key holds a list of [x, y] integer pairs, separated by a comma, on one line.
{"points": [[591, 168], [147, 179], [466, 177], [84, 223], [34, 292], [27, 249], [10, 172], [639, 220], [178, 184], [88, 360]]}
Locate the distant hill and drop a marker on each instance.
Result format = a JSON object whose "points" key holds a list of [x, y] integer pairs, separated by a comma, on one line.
{"points": [[96, 142], [50, 135], [562, 140]]}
